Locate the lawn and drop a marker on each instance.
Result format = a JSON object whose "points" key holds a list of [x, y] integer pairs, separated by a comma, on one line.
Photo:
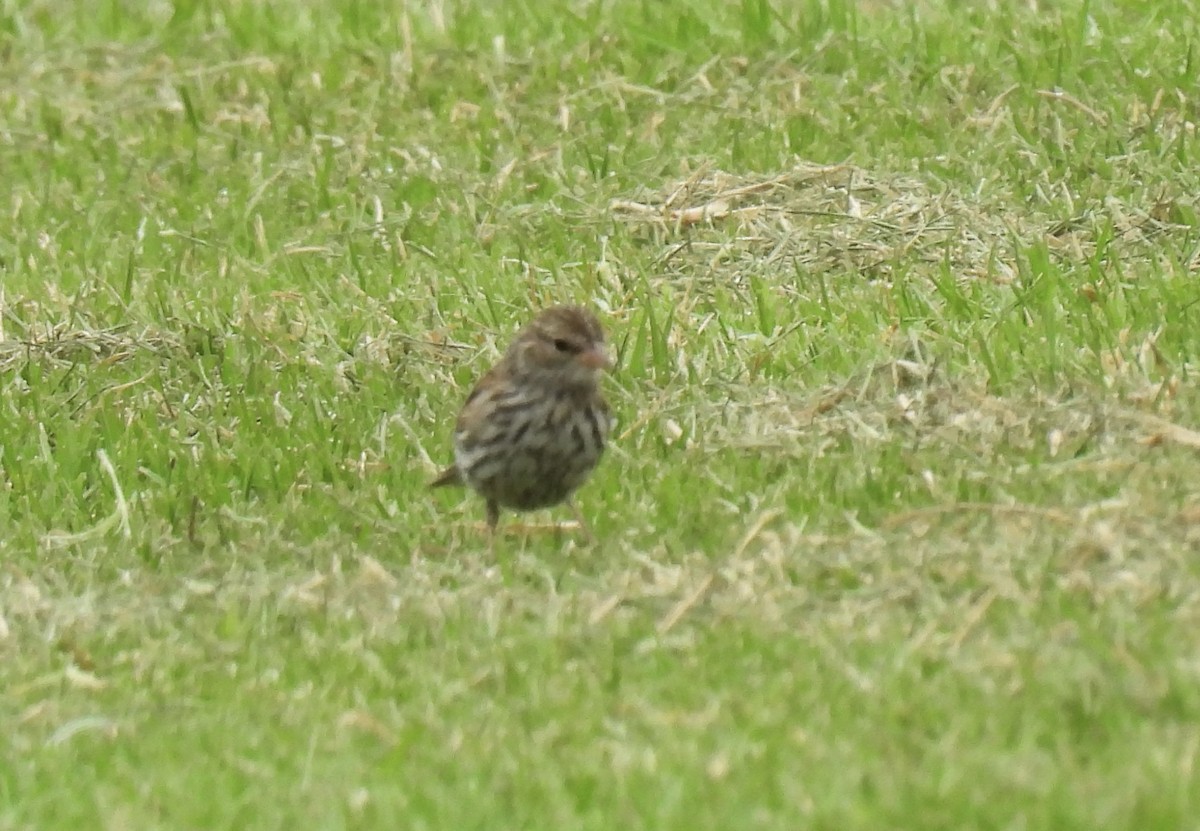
{"points": [[899, 525]]}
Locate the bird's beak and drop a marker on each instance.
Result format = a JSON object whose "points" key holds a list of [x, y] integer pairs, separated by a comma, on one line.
{"points": [[595, 358]]}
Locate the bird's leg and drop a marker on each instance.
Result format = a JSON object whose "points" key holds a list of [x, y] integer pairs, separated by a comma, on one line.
{"points": [[583, 526], [493, 517]]}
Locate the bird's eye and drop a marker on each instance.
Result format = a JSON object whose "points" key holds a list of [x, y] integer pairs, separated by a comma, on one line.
{"points": [[562, 345]]}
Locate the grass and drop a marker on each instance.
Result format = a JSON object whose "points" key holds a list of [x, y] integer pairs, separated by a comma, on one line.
{"points": [[899, 526]]}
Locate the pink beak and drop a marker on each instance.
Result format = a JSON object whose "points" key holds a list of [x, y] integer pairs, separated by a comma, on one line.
{"points": [[595, 358]]}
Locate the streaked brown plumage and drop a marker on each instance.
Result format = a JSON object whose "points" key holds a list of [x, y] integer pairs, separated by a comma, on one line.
{"points": [[535, 426]]}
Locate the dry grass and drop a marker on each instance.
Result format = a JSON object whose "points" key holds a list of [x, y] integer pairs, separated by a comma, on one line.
{"points": [[822, 218], [844, 219]]}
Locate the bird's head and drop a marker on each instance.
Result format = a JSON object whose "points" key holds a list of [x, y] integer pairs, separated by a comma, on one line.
{"points": [[564, 344]]}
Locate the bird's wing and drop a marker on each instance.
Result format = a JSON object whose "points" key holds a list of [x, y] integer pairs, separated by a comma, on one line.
{"points": [[472, 425], [475, 409]]}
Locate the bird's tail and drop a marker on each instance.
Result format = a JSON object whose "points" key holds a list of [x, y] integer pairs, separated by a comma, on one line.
{"points": [[449, 476]]}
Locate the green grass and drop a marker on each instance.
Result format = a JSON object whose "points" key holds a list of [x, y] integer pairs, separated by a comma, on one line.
{"points": [[898, 529]]}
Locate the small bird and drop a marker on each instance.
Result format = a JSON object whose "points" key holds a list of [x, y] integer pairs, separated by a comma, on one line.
{"points": [[535, 425]]}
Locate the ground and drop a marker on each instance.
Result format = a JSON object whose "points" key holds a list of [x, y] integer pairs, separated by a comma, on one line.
{"points": [[899, 524]]}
